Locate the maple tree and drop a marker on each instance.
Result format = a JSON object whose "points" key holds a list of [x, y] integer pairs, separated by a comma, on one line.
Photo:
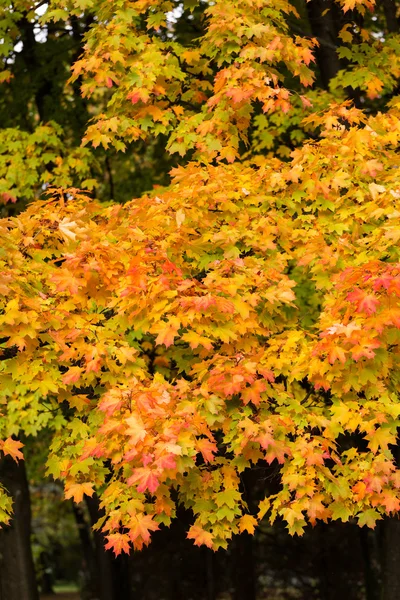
{"points": [[249, 311]]}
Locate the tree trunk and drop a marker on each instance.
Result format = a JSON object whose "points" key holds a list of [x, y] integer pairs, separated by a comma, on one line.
{"points": [[244, 576], [391, 558], [113, 573], [390, 10], [370, 554], [323, 18], [17, 573], [90, 569], [210, 574]]}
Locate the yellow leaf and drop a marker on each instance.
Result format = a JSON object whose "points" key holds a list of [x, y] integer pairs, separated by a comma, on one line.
{"points": [[247, 523], [76, 491]]}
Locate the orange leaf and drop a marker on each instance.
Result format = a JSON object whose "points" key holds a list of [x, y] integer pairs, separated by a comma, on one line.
{"points": [[118, 542], [167, 334], [200, 537], [76, 491], [140, 527], [72, 375], [207, 449], [11, 447], [247, 523]]}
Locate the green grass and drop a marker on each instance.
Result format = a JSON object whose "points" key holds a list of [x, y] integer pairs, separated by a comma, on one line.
{"points": [[65, 587]]}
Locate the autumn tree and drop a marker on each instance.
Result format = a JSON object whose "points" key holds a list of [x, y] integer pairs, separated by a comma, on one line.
{"points": [[246, 313]]}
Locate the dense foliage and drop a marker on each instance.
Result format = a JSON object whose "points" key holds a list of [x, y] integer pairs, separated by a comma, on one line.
{"points": [[248, 312]]}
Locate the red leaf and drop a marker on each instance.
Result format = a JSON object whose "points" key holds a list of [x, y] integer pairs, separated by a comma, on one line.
{"points": [[366, 303]]}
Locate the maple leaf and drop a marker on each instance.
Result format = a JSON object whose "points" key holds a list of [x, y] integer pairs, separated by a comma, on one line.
{"points": [[112, 401], [167, 333], [200, 536], [136, 429], [317, 510], [195, 340], [11, 448], [76, 491], [146, 478], [367, 303], [372, 167], [253, 393], [381, 438], [180, 217], [337, 353], [72, 375], [207, 449], [118, 542], [359, 490], [140, 526], [247, 523], [70, 229], [369, 518], [340, 511], [263, 507]]}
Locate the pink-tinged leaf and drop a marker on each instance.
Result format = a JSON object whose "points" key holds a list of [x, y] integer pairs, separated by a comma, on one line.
{"points": [[200, 537], [118, 542], [72, 375], [140, 527], [146, 479], [366, 303], [111, 402]]}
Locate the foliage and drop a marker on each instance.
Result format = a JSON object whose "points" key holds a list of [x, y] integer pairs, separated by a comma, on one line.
{"points": [[246, 313]]}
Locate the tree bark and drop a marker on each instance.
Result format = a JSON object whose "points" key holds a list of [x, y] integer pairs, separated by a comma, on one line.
{"points": [[17, 573], [391, 559], [323, 18]]}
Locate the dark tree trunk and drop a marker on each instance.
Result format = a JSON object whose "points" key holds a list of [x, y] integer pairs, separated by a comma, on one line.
{"points": [[390, 10], [243, 564], [391, 559], [89, 566], [113, 574], [210, 574], [17, 573], [324, 21], [370, 554]]}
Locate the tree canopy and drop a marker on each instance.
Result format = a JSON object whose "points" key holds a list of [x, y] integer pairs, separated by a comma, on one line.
{"points": [[242, 311]]}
